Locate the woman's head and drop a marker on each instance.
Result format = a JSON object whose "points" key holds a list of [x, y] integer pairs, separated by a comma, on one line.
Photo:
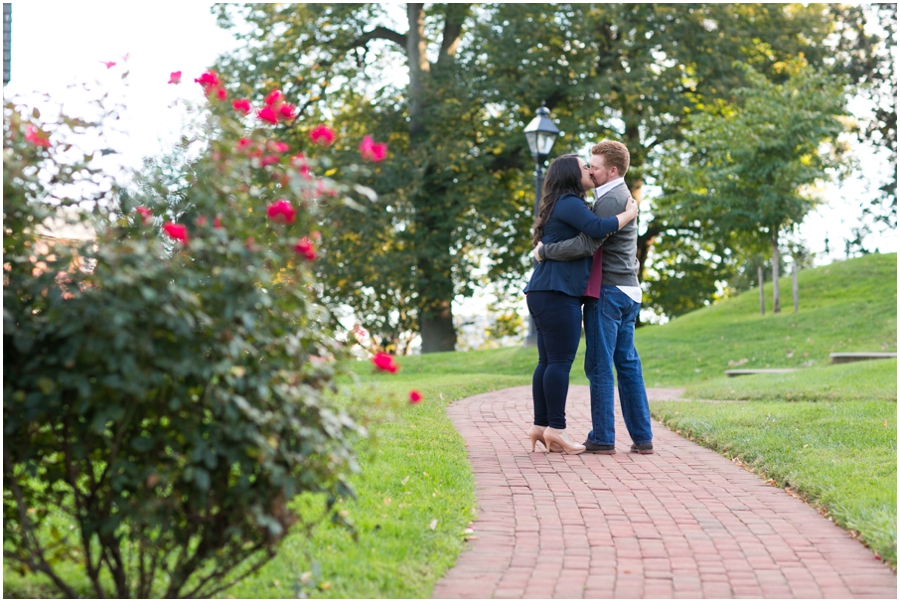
{"points": [[567, 174]]}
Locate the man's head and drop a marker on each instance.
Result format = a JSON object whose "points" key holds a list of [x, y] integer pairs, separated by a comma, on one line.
{"points": [[609, 160]]}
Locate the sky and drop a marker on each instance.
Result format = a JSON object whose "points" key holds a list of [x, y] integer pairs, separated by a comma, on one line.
{"points": [[56, 44]]}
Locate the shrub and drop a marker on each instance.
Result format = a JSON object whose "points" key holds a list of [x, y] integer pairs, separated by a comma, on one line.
{"points": [[164, 384]]}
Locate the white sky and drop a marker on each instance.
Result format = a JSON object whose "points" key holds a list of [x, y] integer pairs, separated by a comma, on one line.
{"points": [[55, 44]]}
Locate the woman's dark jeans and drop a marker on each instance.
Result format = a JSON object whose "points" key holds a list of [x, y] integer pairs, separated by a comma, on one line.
{"points": [[557, 318]]}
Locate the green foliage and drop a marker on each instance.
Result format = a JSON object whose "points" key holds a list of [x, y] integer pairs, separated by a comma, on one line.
{"points": [[456, 195], [745, 168], [841, 456], [165, 400]]}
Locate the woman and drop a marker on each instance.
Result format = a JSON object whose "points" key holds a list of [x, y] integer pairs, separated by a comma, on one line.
{"points": [[554, 294]]}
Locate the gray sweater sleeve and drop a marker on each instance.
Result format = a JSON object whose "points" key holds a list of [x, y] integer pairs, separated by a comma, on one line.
{"points": [[573, 248]]}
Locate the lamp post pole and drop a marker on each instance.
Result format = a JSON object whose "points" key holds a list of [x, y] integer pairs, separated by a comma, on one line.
{"points": [[541, 133]]}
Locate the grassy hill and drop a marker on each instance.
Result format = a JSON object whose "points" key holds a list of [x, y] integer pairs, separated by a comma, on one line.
{"points": [[846, 306]]}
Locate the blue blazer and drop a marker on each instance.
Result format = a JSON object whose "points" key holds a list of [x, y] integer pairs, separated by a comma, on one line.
{"points": [[570, 216]]}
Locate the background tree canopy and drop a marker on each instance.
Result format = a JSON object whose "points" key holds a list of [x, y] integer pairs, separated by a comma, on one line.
{"points": [[450, 87]]}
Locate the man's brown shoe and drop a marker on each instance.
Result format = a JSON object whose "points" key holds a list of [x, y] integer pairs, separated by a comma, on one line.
{"points": [[641, 448], [593, 448]]}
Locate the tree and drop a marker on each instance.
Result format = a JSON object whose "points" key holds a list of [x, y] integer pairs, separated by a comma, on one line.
{"points": [[750, 167], [451, 87], [437, 196], [870, 59]]}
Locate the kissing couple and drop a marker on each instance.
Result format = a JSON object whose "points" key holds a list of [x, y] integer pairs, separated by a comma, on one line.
{"points": [[588, 263]]}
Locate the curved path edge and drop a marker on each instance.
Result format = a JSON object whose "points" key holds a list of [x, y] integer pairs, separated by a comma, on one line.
{"points": [[684, 522]]}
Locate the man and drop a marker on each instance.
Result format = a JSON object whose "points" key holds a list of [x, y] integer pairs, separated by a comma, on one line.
{"points": [[610, 319]]}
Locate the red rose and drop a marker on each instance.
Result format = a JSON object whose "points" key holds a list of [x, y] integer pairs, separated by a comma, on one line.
{"points": [[175, 77], [305, 247], [415, 396], [36, 137], [322, 134], [268, 160], [244, 144], [241, 106], [281, 211], [217, 222], [371, 150], [286, 111], [176, 231], [221, 94], [385, 362], [268, 115], [273, 97]]}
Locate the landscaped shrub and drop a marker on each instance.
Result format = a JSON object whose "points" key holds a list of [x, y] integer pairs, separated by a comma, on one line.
{"points": [[163, 391]]}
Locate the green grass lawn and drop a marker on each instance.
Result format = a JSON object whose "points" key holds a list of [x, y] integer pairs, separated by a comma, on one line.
{"points": [[415, 474], [415, 498]]}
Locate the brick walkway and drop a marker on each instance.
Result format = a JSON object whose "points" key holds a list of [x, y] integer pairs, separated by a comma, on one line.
{"points": [[683, 522]]}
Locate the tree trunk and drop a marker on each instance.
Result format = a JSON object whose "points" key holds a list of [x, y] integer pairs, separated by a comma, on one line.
{"points": [[438, 333], [434, 265], [417, 60], [776, 260], [762, 293]]}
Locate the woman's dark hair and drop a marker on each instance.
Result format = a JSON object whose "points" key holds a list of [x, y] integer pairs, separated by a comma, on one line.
{"points": [[563, 177]]}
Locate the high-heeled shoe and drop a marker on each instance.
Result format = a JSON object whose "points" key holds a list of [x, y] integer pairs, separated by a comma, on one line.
{"points": [[536, 433], [561, 438]]}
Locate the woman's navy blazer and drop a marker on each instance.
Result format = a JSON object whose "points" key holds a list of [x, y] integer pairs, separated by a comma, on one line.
{"points": [[570, 217]]}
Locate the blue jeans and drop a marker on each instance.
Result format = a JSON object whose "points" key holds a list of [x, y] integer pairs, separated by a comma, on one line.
{"points": [[609, 336], [557, 319]]}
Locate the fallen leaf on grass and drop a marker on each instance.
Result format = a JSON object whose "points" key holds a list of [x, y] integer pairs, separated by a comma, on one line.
{"points": [[387, 501], [433, 524], [405, 479]]}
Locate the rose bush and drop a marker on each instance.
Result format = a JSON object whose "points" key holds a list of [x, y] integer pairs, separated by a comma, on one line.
{"points": [[161, 406]]}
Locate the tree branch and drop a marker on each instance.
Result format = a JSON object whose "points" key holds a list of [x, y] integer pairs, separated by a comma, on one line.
{"points": [[453, 22], [380, 33]]}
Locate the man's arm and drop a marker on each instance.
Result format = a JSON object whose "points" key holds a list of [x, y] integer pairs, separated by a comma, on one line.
{"points": [[567, 250]]}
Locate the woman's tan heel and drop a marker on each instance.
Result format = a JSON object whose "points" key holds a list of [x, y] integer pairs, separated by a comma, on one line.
{"points": [[536, 433], [562, 439]]}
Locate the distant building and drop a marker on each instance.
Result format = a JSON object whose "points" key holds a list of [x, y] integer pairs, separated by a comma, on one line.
{"points": [[7, 31]]}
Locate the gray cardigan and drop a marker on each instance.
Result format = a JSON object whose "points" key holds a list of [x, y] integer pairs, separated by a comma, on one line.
{"points": [[620, 262]]}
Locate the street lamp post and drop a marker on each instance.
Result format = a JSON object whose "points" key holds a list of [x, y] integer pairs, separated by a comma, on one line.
{"points": [[541, 133]]}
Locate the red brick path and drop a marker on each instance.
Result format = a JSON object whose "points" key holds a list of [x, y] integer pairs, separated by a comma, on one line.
{"points": [[683, 522]]}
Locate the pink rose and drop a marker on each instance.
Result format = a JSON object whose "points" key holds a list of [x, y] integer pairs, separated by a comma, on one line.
{"points": [[176, 231], [273, 97], [305, 247], [175, 77], [268, 160], [371, 150], [322, 134], [109, 64], [286, 111], [145, 213], [241, 106], [385, 362], [208, 80], [268, 115], [415, 396], [36, 137], [281, 211]]}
